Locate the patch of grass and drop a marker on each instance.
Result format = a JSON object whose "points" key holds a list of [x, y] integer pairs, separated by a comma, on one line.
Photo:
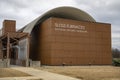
{"points": [[86, 72], [7, 72], [35, 79]]}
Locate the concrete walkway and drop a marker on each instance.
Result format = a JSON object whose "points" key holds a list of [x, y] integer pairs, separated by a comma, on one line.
{"points": [[38, 75]]}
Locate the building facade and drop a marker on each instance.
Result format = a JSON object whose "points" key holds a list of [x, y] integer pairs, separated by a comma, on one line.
{"points": [[70, 42]]}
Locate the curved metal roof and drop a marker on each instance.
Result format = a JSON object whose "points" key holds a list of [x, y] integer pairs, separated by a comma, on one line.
{"points": [[61, 12]]}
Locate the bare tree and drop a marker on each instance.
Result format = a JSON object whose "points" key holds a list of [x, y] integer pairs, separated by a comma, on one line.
{"points": [[115, 53]]}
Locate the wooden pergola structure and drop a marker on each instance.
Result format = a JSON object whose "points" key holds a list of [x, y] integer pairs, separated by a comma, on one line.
{"points": [[10, 39]]}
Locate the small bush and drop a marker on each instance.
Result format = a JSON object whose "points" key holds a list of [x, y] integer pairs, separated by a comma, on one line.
{"points": [[116, 62]]}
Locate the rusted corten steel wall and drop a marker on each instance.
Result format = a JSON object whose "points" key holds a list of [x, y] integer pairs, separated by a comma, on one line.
{"points": [[71, 42], [9, 26]]}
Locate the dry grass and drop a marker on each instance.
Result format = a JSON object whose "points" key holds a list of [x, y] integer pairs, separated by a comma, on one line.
{"points": [[87, 72], [35, 79], [7, 72]]}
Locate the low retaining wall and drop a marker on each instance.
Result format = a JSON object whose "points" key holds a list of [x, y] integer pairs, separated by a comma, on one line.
{"points": [[34, 63], [4, 63]]}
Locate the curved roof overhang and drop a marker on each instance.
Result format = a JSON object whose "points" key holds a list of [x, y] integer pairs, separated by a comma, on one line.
{"points": [[61, 12]]}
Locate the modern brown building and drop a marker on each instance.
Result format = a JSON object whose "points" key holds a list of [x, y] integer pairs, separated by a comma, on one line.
{"points": [[68, 36], [64, 41]]}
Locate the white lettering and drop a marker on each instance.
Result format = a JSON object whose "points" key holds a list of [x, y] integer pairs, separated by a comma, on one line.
{"points": [[69, 27]]}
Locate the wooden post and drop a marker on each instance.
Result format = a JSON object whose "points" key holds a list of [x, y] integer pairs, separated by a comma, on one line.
{"points": [[8, 45], [1, 52], [28, 46]]}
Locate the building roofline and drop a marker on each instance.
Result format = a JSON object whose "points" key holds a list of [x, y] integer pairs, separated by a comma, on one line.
{"points": [[61, 12]]}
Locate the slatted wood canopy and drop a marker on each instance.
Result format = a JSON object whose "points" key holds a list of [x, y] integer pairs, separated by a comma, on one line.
{"points": [[11, 38]]}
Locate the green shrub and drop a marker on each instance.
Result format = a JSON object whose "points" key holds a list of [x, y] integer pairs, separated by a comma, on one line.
{"points": [[116, 62]]}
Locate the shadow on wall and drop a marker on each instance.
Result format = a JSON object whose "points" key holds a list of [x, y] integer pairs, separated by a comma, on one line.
{"points": [[34, 43]]}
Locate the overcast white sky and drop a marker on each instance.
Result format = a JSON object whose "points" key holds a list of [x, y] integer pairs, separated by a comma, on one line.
{"points": [[24, 11]]}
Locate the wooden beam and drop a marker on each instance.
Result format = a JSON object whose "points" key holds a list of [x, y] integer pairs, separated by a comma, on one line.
{"points": [[14, 39], [15, 42], [8, 45], [2, 37]]}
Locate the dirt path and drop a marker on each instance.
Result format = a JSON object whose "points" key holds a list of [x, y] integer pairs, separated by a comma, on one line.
{"points": [[38, 75]]}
